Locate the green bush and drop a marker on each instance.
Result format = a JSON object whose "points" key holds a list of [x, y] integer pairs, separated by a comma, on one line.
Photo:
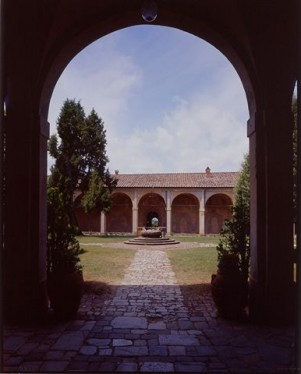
{"points": [[235, 234], [63, 249]]}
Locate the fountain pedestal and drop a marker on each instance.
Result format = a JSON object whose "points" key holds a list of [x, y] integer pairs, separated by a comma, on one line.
{"points": [[152, 237]]}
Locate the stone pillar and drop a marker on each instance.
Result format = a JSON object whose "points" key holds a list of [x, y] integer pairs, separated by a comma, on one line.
{"points": [[298, 224], [100, 220], [24, 254], [135, 221], [271, 277], [135, 215], [168, 213], [44, 135], [257, 217], [279, 230], [103, 221], [2, 127], [202, 213]]}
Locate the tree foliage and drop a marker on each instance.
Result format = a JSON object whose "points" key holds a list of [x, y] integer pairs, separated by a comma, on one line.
{"points": [[80, 159], [235, 241], [63, 249]]}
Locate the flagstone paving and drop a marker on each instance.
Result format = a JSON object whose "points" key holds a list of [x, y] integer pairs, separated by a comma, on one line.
{"points": [[148, 327]]}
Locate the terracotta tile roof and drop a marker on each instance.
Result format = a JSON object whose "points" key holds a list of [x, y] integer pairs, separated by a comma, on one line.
{"points": [[178, 180]]}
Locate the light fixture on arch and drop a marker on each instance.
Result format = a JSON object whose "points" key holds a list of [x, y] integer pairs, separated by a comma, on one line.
{"points": [[149, 10]]}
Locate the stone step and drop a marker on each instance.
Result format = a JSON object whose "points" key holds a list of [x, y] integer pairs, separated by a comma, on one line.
{"points": [[151, 241]]}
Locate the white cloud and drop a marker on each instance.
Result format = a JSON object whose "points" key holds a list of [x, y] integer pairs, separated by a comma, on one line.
{"points": [[101, 78], [207, 130], [163, 119]]}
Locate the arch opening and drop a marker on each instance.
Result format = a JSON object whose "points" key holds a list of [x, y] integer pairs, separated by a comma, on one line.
{"points": [[119, 218], [244, 44], [87, 222], [185, 214], [151, 205], [198, 107], [218, 209]]}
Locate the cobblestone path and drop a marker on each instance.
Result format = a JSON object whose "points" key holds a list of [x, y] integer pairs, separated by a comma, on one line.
{"points": [[146, 327]]}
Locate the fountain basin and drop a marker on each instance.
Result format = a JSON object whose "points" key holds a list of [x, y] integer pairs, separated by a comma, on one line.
{"points": [[151, 233]]}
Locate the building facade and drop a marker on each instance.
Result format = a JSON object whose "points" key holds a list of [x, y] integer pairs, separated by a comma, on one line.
{"points": [[183, 203]]}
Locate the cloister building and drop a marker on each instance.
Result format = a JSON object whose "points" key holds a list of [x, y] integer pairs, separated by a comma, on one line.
{"points": [[183, 203]]}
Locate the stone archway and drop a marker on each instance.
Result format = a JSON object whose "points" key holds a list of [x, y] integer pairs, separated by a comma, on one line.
{"points": [[217, 209], [150, 216], [119, 218], [87, 222], [151, 205], [39, 41], [185, 214]]}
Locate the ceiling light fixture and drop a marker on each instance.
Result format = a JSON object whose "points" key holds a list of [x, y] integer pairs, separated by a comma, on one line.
{"points": [[149, 10]]}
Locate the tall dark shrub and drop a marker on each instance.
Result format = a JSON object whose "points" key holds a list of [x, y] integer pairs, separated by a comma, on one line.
{"points": [[235, 233]]}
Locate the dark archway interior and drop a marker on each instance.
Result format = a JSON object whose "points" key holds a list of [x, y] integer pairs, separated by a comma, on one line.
{"points": [[151, 205], [259, 38], [150, 217], [218, 208], [119, 219], [185, 214]]}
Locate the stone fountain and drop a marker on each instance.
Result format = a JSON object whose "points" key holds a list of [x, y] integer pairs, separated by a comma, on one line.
{"points": [[152, 233], [152, 236]]}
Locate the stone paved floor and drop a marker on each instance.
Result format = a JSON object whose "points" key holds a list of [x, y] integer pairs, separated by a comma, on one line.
{"points": [[148, 327]]}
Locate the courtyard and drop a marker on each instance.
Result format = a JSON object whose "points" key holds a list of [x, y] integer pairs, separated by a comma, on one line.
{"points": [[148, 313]]}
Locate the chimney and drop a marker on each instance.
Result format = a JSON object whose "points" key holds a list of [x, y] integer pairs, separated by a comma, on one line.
{"points": [[116, 172], [208, 171]]}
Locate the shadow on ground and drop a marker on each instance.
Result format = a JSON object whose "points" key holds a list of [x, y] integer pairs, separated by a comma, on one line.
{"points": [[147, 328]]}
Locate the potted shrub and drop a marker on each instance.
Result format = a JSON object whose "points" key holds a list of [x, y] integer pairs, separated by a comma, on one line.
{"points": [[65, 279], [230, 284], [229, 287]]}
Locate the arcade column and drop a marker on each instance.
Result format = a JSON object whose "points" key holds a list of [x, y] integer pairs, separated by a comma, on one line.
{"points": [[168, 213], [202, 213], [103, 221], [135, 220], [25, 215], [271, 278]]}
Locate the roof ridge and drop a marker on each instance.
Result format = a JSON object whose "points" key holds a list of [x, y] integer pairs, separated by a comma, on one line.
{"points": [[177, 180]]}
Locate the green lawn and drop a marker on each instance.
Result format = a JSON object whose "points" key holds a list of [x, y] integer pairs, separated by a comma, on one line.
{"points": [[193, 266], [104, 267], [193, 269], [196, 238], [102, 239], [117, 238]]}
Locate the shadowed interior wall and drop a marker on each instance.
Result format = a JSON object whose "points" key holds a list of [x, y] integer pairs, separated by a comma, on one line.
{"points": [[185, 215], [119, 219], [87, 221], [218, 208], [151, 205]]}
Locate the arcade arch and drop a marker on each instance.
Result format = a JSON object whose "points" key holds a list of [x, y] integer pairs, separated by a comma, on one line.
{"points": [[88, 222], [151, 205], [119, 218], [47, 40], [185, 214], [218, 208]]}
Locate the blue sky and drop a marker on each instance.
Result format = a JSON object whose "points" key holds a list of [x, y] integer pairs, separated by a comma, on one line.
{"points": [[170, 101]]}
